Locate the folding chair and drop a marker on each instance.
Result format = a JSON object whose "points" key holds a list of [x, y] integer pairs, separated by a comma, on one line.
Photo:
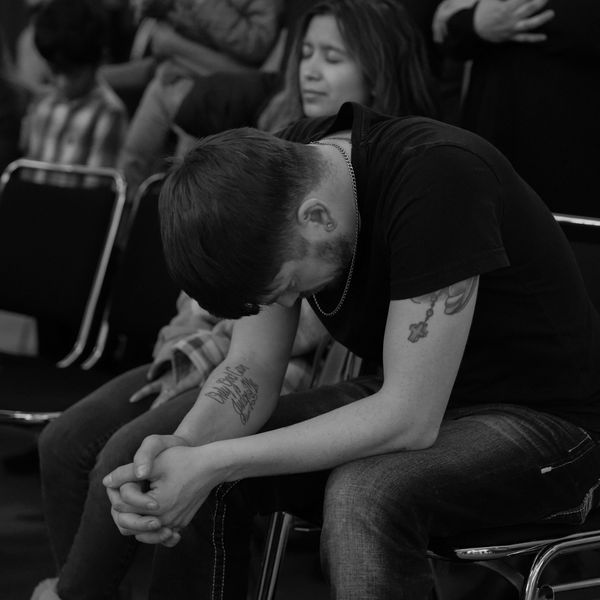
{"points": [[491, 548], [140, 298], [143, 295], [333, 363], [55, 245]]}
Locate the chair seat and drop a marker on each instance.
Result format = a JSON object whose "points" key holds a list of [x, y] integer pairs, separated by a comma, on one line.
{"points": [[504, 541], [31, 384]]}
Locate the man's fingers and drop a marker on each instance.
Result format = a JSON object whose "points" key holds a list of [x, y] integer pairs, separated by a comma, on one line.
{"points": [[136, 524], [132, 494], [529, 38], [119, 476], [172, 541], [114, 514], [117, 502], [164, 536], [147, 390], [149, 449]]}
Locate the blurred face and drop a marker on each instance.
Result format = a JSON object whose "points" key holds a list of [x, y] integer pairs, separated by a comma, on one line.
{"points": [[74, 84], [328, 75]]}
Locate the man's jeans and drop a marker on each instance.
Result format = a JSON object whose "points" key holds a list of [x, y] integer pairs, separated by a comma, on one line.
{"points": [[90, 439], [492, 465]]}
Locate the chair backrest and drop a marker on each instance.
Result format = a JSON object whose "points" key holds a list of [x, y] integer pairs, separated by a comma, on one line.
{"points": [[55, 243], [333, 362], [143, 296], [583, 234]]}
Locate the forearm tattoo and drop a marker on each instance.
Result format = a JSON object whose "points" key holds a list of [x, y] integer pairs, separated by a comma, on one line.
{"points": [[455, 298], [238, 389]]}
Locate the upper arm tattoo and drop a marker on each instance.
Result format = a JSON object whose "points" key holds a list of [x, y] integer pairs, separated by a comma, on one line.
{"points": [[239, 389], [455, 297]]}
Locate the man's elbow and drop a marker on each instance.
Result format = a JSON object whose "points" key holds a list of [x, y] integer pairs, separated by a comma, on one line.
{"points": [[424, 439], [417, 437]]}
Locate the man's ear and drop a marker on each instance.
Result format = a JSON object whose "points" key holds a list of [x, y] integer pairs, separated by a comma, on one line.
{"points": [[315, 215]]}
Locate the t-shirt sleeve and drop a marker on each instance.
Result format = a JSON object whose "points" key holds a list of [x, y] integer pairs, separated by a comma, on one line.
{"points": [[446, 227]]}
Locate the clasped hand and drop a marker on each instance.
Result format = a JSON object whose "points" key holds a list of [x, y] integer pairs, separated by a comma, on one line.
{"points": [[157, 494]]}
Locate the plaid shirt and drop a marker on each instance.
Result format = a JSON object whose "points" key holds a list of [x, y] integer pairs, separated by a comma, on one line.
{"points": [[88, 130], [196, 340]]}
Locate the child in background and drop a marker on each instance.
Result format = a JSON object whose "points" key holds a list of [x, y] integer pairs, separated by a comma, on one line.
{"points": [[79, 120]]}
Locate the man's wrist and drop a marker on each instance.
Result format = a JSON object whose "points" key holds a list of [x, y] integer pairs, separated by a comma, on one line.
{"points": [[221, 457], [184, 441]]}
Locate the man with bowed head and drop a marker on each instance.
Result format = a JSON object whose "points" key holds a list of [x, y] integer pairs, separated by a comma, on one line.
{"points": [[412, 241]]}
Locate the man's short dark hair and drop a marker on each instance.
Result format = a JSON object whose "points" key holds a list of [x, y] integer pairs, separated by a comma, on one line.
{"points": [[227, 212], [71, 34]]}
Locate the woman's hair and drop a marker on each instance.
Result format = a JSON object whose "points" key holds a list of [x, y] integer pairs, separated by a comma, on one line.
{"points": [[384, 41]]}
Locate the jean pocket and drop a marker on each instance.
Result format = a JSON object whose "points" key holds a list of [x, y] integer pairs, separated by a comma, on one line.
{"points": [[575, 479]]}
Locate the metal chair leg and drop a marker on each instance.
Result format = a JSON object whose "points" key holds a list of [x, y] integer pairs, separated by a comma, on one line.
{"points": [[279, 529], [546, 555]]}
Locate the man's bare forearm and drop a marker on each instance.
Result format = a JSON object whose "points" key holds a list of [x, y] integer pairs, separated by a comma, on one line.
{"points": [[236, 400]]}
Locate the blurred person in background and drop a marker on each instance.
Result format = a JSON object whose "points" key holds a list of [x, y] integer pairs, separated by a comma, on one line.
{"points": [[533, 89], [77, 119]]}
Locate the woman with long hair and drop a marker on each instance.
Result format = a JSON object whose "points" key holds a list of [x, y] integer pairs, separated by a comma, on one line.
{"points": [[378, 37]]}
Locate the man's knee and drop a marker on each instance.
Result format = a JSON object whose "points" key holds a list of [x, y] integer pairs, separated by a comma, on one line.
{"points": [[57, 444], [371, 492], [119, 449]]}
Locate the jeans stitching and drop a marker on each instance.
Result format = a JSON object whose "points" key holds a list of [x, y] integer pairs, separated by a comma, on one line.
{"points": [[571, 459], [214, 578], [583, 441], [223, 530], [582, 509], [218, 501]]}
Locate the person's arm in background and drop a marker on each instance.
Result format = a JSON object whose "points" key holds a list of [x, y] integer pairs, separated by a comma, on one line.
{"points": [[31, 69], [465, 27], [225, 101], [243, 29], [565, 27], [195, 57]]}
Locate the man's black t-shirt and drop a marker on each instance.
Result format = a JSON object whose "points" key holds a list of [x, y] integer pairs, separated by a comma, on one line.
{"points": [[439, 205]]}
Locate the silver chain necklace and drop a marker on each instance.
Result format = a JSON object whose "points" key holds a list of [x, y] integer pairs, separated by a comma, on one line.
{"points": [[357, 214]]}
